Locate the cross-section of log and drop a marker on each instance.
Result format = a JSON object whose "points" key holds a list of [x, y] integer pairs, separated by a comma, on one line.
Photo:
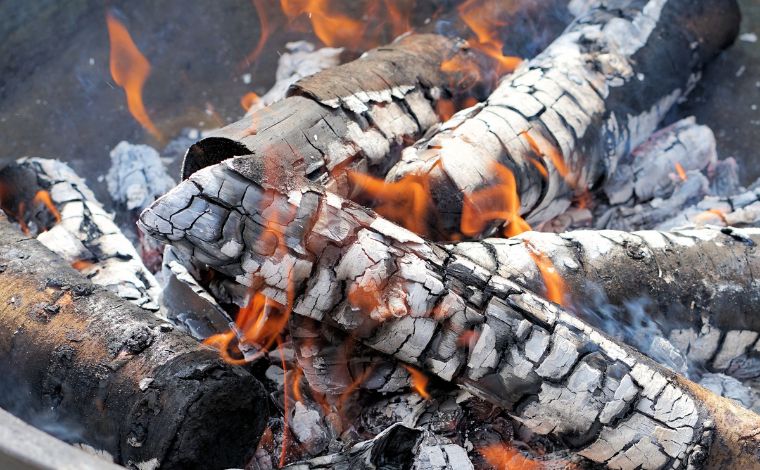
{"points": [[48, 199], [562, 121], [78, 359], [333, 261]]}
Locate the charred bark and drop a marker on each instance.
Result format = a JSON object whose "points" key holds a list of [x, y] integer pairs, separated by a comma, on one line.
{"points": [[410, 299], [68, 220], [78, 359], [562, 122]]}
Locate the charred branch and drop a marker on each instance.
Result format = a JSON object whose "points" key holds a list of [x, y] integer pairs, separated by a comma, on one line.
{"points": [[121, 380], [410, 299]]}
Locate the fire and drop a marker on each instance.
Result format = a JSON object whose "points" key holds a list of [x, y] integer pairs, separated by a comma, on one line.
{"points": [[248, 100], [43, 197], [503, 457], [482, 17], [406, 202], [419, 381], [544, 148], [298, 375], [468, 338], [680, 172], [710, 215], [265, 31], [336, 29], [496, 202], [555, 285], [333, 29], [129, 69]]}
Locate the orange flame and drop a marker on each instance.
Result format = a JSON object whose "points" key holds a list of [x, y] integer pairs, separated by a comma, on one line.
{"points": [[467, 338], [333, 29], [555, 285], [298, 375], [710, 215], [681, 172], [419, 381], [248, 100], [406, 202], [482, 17], [43, 197], [286, 414], [497, 202], [265, 31], [503, 457], [129, 69]]}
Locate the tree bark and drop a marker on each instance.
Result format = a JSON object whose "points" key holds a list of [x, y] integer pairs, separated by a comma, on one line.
{"points": [[562, 122], [77, 359], [76, 227], [410, 299]]}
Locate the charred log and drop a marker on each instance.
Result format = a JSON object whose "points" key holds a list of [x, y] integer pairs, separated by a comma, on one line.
{"points": [[562, 122], [408, 298], [153, 395], [48, 199]]}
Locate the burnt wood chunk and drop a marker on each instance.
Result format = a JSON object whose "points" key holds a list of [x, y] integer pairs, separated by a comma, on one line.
{"points": [[110, 374]]}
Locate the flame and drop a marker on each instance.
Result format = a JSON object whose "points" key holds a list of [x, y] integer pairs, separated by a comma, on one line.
{"points": [[468, 338], [544, 148], [129, 69], [248, 100], [406, 202], [482, 17], [333, 29], [503, 457], [286, 414], [419, 381], [496, 202], [349, 391], [709, 216], [553, 282], [297, 395], [43, 197], [681, 172], [265, 31]]}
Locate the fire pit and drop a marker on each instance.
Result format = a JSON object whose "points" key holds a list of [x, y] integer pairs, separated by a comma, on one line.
{"points": [[452, 235]]}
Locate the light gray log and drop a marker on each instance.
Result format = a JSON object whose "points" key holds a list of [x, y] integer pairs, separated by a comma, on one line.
{"points": [[409, 298], [575, 110]]}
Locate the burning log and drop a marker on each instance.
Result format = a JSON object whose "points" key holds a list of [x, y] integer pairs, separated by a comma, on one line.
{"points": [[408, 298], [153, 396], [559, 125], [353, 115], [357, 116], [47, 198]]}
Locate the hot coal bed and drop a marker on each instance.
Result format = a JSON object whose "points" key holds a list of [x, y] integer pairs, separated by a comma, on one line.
{"points": [[484, 242]]}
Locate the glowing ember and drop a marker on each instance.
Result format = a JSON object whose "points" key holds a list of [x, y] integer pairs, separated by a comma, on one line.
{"points": [[81, 264], [680, 172], [503, 457], [499, 201], [129, 69], [248, 100], [406, 202], [419, 381], [711, 216]]}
